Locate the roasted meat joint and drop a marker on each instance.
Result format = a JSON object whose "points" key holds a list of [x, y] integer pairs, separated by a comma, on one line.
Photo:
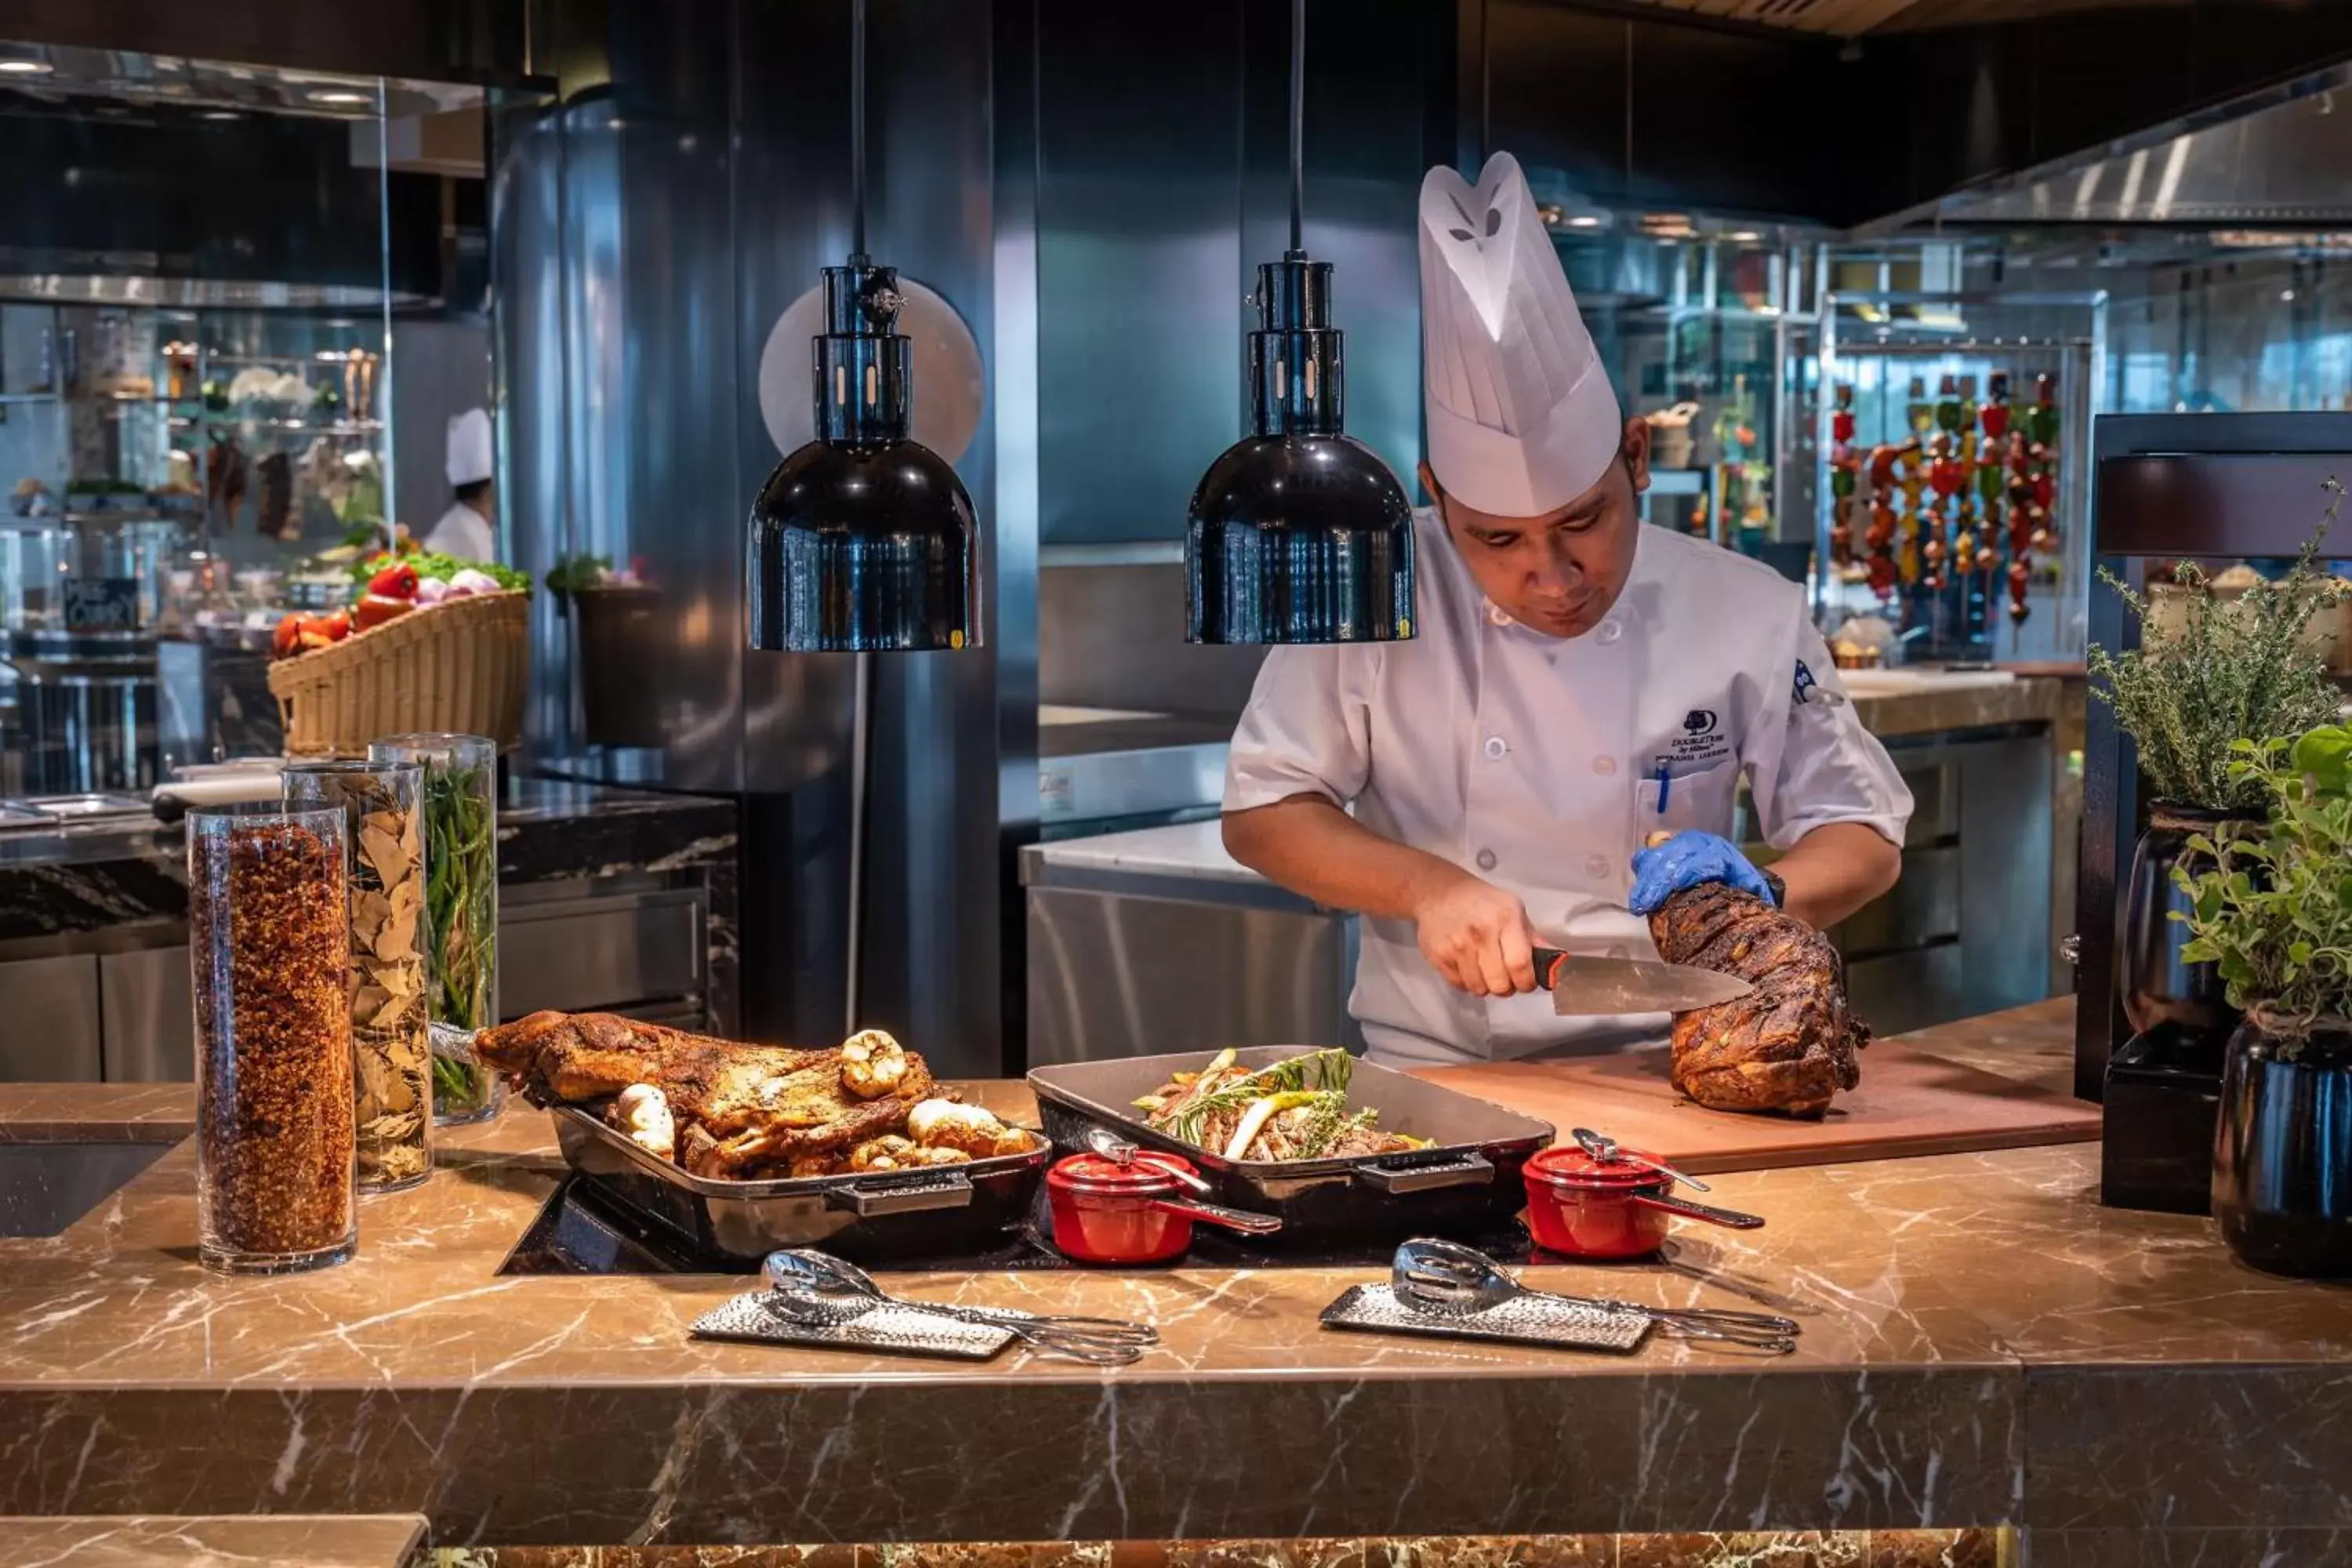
{"points": [[1790, 1045], [720, 1108]]}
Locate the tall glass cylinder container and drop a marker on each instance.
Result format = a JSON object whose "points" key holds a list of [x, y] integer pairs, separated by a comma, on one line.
{"points": [[461, 904], [382, 807], [268, 945]]}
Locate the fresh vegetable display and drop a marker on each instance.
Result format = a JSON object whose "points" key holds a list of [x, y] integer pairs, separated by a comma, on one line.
{"points": [[433, 564], [392, 584]]}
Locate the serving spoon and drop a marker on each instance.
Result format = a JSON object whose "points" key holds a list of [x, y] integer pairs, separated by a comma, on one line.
{"points": [[816, 1287], [1608, 1150], [1119, 1151], [1447, 1278]]}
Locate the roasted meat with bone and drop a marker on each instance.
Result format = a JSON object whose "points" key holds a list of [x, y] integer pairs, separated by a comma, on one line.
{"points": [[1787, 1045], [736, 1109]]}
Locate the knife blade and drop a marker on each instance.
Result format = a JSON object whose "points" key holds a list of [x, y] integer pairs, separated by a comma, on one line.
{"points": [[1584, 986]]}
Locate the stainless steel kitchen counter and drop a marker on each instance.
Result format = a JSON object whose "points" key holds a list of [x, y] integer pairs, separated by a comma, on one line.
{"points": [[609, 898]]}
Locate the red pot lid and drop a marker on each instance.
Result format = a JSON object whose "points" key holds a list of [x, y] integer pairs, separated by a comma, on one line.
{"points": [[1148, 1175], [1567, 1166]]}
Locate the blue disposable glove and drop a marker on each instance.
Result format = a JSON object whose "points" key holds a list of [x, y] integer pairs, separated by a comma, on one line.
{"points": [[1686, 861]]}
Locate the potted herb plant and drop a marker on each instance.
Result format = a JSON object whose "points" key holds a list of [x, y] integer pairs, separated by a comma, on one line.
{"points": [[2271, 910], [2208, 674]]}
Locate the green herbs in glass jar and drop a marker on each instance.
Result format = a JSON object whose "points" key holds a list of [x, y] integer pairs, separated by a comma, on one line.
{"points": [[461, 905]]}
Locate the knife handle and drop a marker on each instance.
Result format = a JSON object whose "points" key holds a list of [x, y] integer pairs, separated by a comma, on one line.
{"points": [[1547, 960]]}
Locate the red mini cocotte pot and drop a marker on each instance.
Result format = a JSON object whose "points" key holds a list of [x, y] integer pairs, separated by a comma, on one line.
{"points": [[1105, 1212], [1579, 1206]]}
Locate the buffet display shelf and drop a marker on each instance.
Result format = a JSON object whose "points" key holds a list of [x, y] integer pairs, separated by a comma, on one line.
{"points": [[1984, 1345]]}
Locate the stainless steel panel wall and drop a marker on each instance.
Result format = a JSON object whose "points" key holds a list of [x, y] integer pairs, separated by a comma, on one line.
{"points": [[1162, 184], [607, 951], [147, 1004], [51, 1007], [1139, 262], [1118, 976], [1113, 637]]}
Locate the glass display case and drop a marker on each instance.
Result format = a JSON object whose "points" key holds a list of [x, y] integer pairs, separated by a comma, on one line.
{"points": [[195, 296], [1953, 474], [1709, 340]]}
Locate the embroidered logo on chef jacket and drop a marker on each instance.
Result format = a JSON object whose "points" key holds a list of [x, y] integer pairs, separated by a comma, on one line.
{"points": [[1807, 688], [1702, 744]]}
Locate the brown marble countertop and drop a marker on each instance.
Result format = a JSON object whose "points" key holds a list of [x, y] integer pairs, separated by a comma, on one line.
{"points": [[211, 1542], [1983, 1344]]}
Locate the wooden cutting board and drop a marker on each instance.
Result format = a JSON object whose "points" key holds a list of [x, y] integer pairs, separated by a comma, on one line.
{"points": [[1910, 1103]]}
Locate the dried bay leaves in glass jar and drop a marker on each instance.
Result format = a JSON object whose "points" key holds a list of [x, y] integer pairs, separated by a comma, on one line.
{"points": [[388, 979]]}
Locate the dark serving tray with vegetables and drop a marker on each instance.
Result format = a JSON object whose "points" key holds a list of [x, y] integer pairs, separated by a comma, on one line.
{"points": [[1339, 1148]]}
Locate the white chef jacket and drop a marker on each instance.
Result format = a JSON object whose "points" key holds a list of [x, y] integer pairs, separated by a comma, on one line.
{"points": [[463, 533], [1541, 763]]}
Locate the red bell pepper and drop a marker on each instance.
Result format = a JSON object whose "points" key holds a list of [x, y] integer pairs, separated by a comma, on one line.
{"points": [[378, 608], [394, 583]]}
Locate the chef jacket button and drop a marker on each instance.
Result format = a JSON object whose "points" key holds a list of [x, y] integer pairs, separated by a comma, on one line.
{"points": [[1495, 747], [1596, 866], [1497, 614], [1604, 766], [1610, 630], [1486, 859]]}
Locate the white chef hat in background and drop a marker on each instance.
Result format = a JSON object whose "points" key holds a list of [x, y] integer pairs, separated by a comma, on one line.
{"points": [[1521, 416], [469, 448]]}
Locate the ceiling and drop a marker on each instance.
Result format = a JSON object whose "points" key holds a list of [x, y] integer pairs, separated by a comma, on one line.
{"points": [[1851, 18]]}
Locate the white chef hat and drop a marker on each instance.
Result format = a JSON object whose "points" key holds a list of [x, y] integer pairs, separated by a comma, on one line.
{"points": [[1521, 416], [469, 448]]}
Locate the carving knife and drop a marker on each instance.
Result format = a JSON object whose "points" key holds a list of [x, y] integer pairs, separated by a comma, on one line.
{"points": [[1584, 986]]}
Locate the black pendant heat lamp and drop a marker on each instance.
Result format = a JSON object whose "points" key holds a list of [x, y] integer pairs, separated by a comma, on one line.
{"points": [[1298, 533], [862, 540]]}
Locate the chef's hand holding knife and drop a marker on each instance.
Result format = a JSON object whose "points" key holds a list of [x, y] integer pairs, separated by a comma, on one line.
{"points": [[1476, 936]]}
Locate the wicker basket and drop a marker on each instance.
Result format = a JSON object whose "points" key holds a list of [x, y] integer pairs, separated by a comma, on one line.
{"points": [[458, 667]]}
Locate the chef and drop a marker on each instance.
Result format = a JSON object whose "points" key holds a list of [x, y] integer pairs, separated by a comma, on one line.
{"points": [[465, 529], [1579, 682]]}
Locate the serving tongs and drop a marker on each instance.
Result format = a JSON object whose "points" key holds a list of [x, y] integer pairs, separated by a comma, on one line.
{"points": [[812, 1287], [1446, 1279]]}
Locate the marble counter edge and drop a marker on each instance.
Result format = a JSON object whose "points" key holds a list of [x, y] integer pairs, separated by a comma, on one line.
{"points": [[213, 1540]]}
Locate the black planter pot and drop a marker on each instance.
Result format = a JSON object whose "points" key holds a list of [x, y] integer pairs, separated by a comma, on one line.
{"points": [[2283, 1151], [2157, 987]]}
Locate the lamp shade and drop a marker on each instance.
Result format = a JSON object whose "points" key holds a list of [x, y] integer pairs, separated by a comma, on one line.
{"points": [[864, 540], [1298, 533]]}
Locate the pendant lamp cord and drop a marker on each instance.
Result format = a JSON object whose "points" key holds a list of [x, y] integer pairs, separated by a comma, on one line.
{"points": [[861, 722], [1297, 126], [857, 128], [861, 754]]}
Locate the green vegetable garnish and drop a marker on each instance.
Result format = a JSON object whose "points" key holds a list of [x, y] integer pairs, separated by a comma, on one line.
{"points": [[461, 882], [1323, 1069]]}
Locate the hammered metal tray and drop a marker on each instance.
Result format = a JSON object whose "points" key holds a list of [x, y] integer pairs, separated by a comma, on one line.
{"points": [[895, 1329], [1524, 1320]]}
